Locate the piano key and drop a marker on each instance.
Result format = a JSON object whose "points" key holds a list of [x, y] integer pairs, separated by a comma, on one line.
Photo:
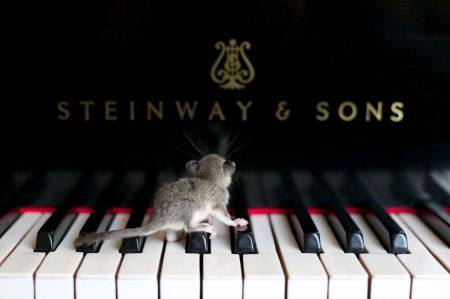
{"points": [[7, 220], [263, 274], [286, 193], [414, 244], [98, 220], [17, 271], [388, 278], [180, 272], [305, 275], [16, 232], [134, 244], [349, 233], [119, 222], [429, 278], [221, 268], [431, 241], [55, 277], [328, 241], [347, 279], [221, 272], [243, 239], [138, 273], [96, 276], [346, 276], [197, 242], [53, 230], [371, 242]]}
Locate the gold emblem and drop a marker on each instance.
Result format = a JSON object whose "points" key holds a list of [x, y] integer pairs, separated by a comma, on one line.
{"points": [[232, 75]]}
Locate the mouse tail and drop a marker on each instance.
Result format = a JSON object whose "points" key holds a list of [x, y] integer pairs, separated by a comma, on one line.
{"points": [[114, 234]]}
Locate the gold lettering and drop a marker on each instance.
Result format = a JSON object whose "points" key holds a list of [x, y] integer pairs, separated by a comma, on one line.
{"points": [[65, 112], [352, 115], [86, 108], [216, 110], [158, 112], [371, 109], [244, 108], [321, 107], [109, 110], [282, 113], [395, 108], [186, 108], [131, 110]]}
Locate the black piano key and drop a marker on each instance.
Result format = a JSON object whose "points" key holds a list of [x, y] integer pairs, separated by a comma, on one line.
{"points": [[308, 234], [243, 239], [134, 244], [105, 201], [53, 230], [348, 232], [198, 242], [348, 187], [353, 242], [390, 233]]}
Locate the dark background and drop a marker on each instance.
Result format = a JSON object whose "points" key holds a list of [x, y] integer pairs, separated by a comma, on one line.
{"points": [[303, 52]]}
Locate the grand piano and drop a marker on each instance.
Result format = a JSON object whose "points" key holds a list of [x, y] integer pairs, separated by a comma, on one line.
{"points": [[336, 115]]}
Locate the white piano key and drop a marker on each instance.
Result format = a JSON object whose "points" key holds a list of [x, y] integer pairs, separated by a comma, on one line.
{"points": [[73, 232], [285, 239], [305, 275], [263, 276], [16, 232], [263, 273], [434, 244], [96, 278], [347, 277], [263, 234], [222, 271], [328, 241], [55, 277], [221, 243], [14, 273], [29, 241], [97, 273], [388, 278], [221, 268], [371, 242], [180, 276], [429, 278], [119, 222], [414, 244], [424, 233], [138, 273]]}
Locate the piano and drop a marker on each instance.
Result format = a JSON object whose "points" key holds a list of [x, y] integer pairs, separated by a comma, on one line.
{"points": [[334, 113]]}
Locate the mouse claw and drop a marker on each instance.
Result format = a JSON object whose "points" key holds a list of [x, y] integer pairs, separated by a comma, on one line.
{"points": [[239, 222]]}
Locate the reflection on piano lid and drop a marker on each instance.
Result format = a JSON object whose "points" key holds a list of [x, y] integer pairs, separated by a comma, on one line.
{"points": [[162, 268]]}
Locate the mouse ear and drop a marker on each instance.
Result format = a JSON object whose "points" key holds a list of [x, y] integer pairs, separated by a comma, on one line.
{"points": [[229, 167], [192, 167]]}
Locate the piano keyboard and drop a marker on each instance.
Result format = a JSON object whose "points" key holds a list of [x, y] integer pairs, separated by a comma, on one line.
{"points": [[279, 267], [277, 270]]}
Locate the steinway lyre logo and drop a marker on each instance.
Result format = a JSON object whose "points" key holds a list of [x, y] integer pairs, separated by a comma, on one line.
{"points": [[233, 75]]}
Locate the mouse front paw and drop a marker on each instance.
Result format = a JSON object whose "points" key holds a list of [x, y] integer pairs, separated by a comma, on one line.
{"points": [[240, 222]]}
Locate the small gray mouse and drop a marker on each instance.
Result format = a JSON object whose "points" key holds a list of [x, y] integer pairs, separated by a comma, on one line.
{"points": [[182, 205]]}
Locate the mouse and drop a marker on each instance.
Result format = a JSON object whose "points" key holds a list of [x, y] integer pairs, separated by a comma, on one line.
{"points": [[184, 205]]}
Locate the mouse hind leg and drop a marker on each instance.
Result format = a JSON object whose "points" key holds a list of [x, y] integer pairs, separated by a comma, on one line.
{"points": [[204, 227]]}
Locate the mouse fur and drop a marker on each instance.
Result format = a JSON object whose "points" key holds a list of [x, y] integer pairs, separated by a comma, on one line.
{"points": [[183, 205]]}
